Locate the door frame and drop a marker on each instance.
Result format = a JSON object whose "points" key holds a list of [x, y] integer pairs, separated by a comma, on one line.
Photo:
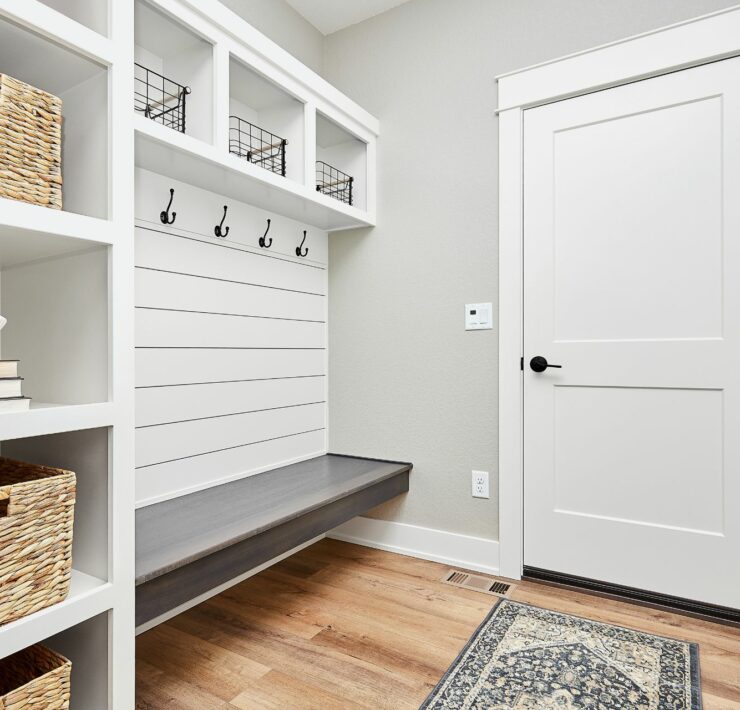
{"points": [[686, 44]]}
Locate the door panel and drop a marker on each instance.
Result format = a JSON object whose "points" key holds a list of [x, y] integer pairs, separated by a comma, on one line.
{"points": [[631, 265], [654, 440], [600, 245]]}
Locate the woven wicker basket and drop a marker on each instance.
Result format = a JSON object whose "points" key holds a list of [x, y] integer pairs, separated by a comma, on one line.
{"points": [[36, 516], [34, 679], [30, 144]]}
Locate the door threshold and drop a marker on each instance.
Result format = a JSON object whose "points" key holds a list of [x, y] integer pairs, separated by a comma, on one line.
{"points": [[701, 610]]}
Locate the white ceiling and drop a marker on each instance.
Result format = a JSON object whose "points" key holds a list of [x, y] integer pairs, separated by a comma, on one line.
{"points": [[328, 16]]}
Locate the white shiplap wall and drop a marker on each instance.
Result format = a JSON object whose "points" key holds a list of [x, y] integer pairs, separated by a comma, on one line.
{"points": [[230, 342]]}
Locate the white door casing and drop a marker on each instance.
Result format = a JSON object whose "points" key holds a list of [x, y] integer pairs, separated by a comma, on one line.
{"points": [[631, 254]]}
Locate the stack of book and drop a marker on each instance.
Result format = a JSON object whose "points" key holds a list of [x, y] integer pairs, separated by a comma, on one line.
{"points": [[11, 394]]}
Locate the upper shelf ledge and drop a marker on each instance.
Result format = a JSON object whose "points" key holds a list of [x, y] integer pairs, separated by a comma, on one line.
{"points": [[184, 158], [57, 27]]}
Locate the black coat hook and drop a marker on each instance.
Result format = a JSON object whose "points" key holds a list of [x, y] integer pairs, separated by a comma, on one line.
{"points": [[219, 230], [298, 250], [263, 242], [165, 214]]}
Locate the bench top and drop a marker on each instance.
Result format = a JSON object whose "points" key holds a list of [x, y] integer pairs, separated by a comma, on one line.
{"points": [[176, 532]]}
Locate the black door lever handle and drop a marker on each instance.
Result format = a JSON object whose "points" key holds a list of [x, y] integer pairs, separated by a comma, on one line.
{"points": [[540, 364]]}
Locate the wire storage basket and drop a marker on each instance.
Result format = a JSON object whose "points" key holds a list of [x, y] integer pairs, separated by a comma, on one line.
{"points": [[30, 144], [257, 145], [159, 98], [36, 527], [35, 678], [333, 182]]}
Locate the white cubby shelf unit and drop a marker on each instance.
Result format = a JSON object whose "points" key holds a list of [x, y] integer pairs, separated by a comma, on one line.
{"points": [[248, 99], [66, 288], [67, 277]]}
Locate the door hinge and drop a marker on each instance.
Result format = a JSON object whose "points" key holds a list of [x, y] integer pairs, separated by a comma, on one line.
{"points": [[521, 363]]}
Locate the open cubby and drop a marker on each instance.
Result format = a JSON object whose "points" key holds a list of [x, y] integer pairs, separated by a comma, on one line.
{"points": [[87, 646], [56, 303], [173, 74], [341, 163], [265, 123], [83, 87], [85, 453], [91, 13]]}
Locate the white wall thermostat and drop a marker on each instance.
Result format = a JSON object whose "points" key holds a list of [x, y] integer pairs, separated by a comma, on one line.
{"points": [[478, 316]]}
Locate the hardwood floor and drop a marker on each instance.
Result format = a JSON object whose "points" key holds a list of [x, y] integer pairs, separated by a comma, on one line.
{"points": [[338, 627]]}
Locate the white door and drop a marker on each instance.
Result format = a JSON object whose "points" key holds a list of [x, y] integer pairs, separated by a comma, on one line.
{"points": [[632, 285]]}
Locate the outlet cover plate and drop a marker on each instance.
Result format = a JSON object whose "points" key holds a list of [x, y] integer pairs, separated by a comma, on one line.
{"points": [[480, 484]]}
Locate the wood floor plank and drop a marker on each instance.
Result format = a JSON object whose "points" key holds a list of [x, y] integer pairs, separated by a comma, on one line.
{"points": [[338, 673], [268, 617], [374, 638], [714, 702], [435, 597], [338, 626], [304, 568], [278, 691], [209, 667], [335, 553], [162, 691], [327, 597]]}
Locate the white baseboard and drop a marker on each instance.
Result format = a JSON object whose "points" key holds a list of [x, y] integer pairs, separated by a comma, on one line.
{"points": [[221, 587], [465, 551]]}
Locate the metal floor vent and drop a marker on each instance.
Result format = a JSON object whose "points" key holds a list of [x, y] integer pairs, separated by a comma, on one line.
{"points": [[477, 582]]}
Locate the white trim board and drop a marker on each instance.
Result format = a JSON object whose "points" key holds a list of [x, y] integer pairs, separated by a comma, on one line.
{"points": [[691, 43], [464, 551], [221, 588]]}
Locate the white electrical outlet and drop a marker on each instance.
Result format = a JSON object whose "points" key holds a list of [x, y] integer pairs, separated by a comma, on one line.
{"points": [[480, 484]]}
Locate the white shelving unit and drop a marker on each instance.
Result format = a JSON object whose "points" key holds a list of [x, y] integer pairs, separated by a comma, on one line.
{"points": [[67, 277], [252, 77], [66, 287]]}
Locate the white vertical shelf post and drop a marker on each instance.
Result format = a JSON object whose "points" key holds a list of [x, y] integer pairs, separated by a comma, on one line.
{"points": [[371, 178], [221, 97], [121, 308], [309, 145]]}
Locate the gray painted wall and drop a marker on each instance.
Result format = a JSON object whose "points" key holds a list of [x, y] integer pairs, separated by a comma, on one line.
{"points": [[283, 25], [407, 382]]}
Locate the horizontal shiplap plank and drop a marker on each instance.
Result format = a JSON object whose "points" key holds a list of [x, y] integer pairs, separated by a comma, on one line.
{"points": [[159, 289], [168, 442], [176, 329], [156, 367], [168, 252], [159, 405], [156, 483]]}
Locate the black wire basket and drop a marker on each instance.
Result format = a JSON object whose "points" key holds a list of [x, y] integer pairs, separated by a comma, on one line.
{"points": [[257, 145], [159, 98], [333, 182]]}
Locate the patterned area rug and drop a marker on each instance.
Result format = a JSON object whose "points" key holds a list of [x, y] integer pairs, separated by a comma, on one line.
{"points": [[525, 658]]}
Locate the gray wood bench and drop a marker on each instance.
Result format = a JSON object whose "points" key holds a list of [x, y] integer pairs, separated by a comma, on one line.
{"points": [[192, 544]]}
